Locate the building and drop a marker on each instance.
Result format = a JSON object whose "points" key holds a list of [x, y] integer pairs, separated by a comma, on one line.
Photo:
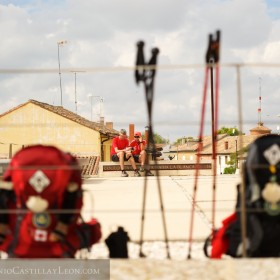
{"points": [[225, 147], [260, 129], [35, 122], [188, 150]]}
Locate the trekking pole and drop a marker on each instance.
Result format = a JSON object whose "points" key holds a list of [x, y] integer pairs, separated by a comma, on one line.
{"points": [[243, 219], [214, 136], [141, 254], [138, 77], [200, 147], [161, 200], [146, 73], [212, 56], [214, 60]]}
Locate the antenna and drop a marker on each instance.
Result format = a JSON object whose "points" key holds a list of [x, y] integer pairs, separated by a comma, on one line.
{"points": [[101, 107], [76, 92], [60, 43], [101, 100], [260, 103], [76, 102]]}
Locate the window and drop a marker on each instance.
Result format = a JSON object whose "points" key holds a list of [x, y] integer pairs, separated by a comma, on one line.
{"points": [[226, 145], [226, 159]]}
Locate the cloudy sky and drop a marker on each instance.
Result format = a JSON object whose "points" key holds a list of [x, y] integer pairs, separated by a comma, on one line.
{"points": [[101, 40]]}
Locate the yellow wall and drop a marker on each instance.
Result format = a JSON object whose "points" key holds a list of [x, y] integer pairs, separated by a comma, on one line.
{"points": [[107, 150], [186, 156], [31, 124]]}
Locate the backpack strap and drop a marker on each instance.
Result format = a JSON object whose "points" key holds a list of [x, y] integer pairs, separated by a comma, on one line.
{"points": [[256, 233], [220, 239]]}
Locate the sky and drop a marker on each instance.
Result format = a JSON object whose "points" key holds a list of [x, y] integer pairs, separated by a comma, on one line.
{"points": [[101, 48]]}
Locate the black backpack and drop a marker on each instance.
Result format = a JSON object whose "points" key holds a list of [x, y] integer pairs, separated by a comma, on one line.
{"points": [[261, 173]]}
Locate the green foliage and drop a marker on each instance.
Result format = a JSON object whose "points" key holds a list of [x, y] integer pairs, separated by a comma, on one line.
{"points": [[182, 140], [232, 165], [232, 160], [230, 170], [231, 131], [159, 139]]}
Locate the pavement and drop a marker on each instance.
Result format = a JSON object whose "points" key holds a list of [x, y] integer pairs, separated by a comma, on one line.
{"points": [[119, 201]]}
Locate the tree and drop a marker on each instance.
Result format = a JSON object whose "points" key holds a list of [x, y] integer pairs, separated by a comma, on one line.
{"points": [[183, 140], [231, 131], [233, 162], [232, 165], [159, 139]]}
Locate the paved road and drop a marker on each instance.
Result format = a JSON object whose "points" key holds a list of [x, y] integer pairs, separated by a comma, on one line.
{"points": [[118, 201]]}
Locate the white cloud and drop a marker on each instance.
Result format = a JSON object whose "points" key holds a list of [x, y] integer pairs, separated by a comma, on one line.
{"points": [[104, 34]]}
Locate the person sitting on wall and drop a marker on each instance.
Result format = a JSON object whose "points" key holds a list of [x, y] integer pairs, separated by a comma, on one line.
{"points": [[139, 153], [121, 152]]}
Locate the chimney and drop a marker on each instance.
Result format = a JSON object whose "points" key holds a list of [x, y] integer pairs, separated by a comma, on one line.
{"points": [[102, 121], [147, 135], [109, 125], [131, 132]]}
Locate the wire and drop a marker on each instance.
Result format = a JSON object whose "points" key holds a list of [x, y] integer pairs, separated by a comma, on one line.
{"points": [[131, 68]]}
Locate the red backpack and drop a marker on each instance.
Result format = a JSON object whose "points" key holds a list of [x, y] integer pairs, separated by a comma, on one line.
{"points": [[42, 190]]}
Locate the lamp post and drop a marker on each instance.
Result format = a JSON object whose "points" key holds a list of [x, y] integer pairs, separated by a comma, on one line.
{"points": [[60, 43], [236, 155]]}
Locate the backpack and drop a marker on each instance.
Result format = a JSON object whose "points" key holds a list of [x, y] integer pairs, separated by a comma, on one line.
{"points": [[41, 188], [261, 173]]}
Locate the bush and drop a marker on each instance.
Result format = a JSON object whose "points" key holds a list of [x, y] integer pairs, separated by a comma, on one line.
{"points": [[230, 170]]}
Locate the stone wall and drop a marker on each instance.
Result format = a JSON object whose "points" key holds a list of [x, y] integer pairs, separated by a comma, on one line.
{"points": [[226, 269], [164, 168]]}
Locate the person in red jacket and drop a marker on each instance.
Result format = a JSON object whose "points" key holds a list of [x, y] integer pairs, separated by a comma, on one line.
{"points": [[121, 152], [138, 146]]}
